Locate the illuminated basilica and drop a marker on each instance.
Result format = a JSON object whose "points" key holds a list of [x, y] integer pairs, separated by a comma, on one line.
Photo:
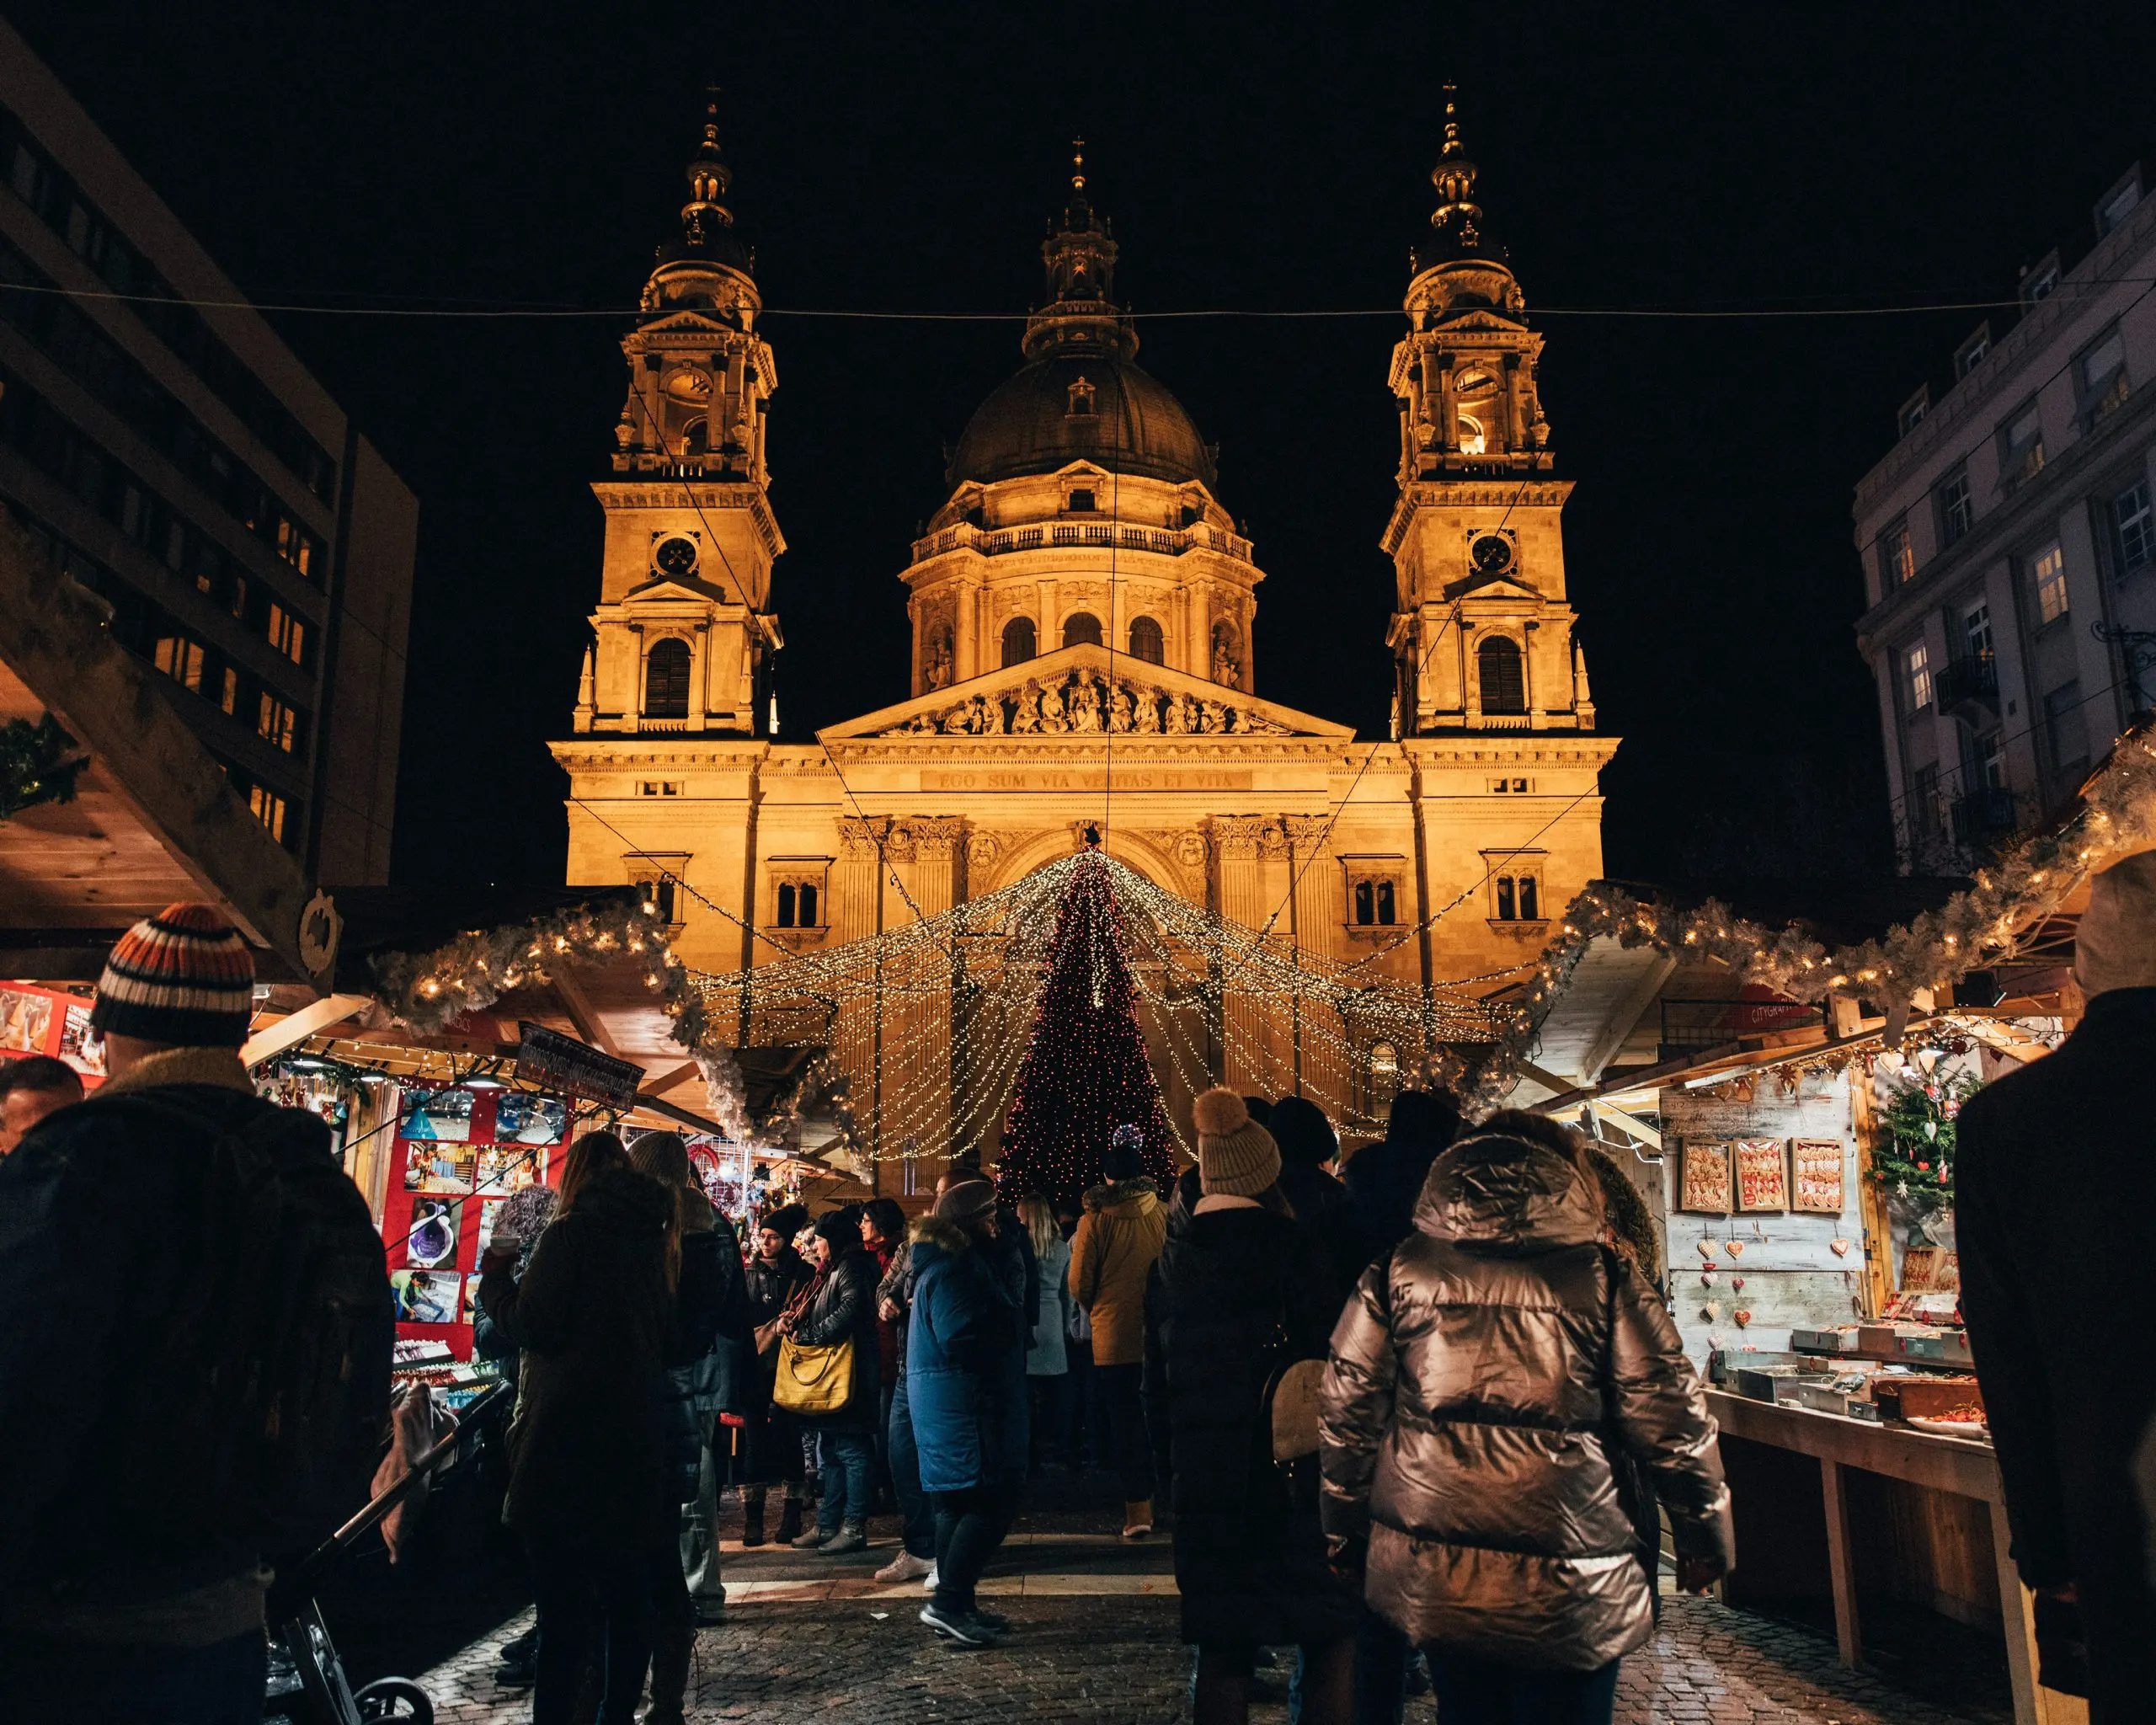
{"points": [[1082, 643]]}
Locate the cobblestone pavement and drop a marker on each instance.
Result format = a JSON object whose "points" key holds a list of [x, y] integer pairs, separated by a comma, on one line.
{"points": [[1096, 1640]]}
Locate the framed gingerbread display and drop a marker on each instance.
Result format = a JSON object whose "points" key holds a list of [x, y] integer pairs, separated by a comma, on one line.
{"points": [[1704, 1187], [1817, 1176], [1762, 1174]]}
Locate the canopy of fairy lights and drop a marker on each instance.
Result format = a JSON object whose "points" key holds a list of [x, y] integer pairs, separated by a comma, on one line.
{"points": [[927, 1025]]}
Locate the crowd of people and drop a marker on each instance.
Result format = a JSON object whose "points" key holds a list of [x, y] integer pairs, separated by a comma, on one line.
{"points": [[1420, 1414]]}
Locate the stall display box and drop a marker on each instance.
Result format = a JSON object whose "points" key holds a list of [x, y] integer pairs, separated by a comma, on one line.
{"points": [[459, 1153]]}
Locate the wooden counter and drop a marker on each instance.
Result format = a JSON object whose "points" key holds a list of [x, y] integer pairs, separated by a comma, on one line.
{"points": [[1953, 1467]]}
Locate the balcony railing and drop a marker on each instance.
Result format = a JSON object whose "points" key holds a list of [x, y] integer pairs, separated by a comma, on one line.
{"points": [[1966, 686], [1984, 814]]}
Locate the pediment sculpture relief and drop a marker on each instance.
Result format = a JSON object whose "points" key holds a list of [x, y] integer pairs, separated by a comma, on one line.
{"points": [[1084, 703]]}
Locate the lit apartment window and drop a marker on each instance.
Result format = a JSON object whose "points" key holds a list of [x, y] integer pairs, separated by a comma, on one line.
{"points": [[1991, 761], [1976, 630], [287, 633], [181, 659], [1958, 514], [295, 545], [2022, 447], [276, 723], [2047, 575], [1916, 669], [228, 691], [1897, 556], [2067, 724], [2100, 372], [2133, 529], [268, 808], [1971, 353]]}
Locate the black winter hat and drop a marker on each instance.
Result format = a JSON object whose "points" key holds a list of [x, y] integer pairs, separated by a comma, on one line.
{"points": [[787, 1221], [841, 1227], [1306, 1137]]}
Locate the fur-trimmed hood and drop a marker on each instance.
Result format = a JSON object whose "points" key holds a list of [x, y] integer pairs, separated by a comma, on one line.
{"points": [[935, 1231], [1138, 1196]]}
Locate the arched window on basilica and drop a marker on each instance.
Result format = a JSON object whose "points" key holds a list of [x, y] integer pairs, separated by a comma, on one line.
{"points": [[1376, 904], [696, 437], [1147, 642], [1472, 439], [1020, 642], [1380, 1080], [1081, 629], [1503, 675], [666, 679]]}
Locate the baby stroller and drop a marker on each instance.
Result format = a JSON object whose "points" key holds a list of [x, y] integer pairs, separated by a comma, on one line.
{"points": [[312, 1687]]}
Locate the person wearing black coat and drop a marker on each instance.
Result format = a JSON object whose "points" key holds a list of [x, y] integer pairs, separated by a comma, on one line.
{"points": [[2069, 1374], [1384, 1179], [1238, 1292], [593, 1317], [841, 1307], [1308, 1145], [776, 1276]]}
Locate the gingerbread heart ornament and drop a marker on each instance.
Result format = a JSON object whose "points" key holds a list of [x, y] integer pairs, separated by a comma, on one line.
{"points": [[1840, 1248], [1735, 1248], [1742, 1315], [1707, 1248]]}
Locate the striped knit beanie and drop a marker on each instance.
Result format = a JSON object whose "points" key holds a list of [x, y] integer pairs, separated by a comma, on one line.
{"points": [[183, 977]]}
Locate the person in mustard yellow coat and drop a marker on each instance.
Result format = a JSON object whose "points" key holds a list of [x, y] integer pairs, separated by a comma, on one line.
{"points": [[1121, 1233]]}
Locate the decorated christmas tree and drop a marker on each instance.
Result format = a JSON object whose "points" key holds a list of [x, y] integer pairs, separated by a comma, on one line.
{"points": [[1085, 1072]]}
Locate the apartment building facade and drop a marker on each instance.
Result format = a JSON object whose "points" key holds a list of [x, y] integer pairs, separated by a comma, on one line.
{"points": [[177, 460], [2009, 542]]}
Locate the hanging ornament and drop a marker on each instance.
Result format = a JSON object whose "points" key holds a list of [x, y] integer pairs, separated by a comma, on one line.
{"points": [[1743, 1317], [1840, 1248], [1735, 1248]]}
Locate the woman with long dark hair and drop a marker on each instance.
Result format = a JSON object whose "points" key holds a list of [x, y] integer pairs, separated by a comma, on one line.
{"points": [[592, 1314], [840, 1307]]}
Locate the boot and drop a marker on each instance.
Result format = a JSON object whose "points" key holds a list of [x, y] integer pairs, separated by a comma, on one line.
{"points": [[789, 1520], [752, 1516], [851, 1536], [671, 1646], [1138, 1519]]}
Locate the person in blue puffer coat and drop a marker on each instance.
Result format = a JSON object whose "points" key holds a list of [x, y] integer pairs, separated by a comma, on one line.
{"points": [[966, 1388]]}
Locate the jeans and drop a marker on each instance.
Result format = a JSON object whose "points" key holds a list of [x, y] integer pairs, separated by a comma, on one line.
{"points": [[700, 1534], [849, 1477], [1477, 1692], [969, 1525], [590, 1603], [1134, 1453], [109, 1685], [916, 1515]]}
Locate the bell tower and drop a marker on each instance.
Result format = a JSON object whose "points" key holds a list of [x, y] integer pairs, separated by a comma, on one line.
{"points": [[1482, 634], [684, 630]]}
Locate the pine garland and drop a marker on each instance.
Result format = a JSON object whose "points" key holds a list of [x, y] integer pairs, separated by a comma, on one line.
{"points": [[35, 766]]}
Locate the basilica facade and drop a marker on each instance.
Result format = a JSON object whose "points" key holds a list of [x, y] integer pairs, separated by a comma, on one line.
{"points": [[1080, 622]]}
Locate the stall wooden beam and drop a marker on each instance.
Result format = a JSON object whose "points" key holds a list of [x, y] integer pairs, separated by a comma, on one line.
{"points": [[1951, 1465]]}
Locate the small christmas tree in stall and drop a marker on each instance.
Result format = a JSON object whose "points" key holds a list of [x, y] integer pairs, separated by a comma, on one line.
{"points": [[1085, 1071]]}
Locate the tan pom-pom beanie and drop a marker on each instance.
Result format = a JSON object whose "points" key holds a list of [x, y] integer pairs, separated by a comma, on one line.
{"points": [[1236, 1157]]}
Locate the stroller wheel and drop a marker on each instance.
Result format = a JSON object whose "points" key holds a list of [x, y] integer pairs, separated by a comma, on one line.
{"points": [[397, 1698]]}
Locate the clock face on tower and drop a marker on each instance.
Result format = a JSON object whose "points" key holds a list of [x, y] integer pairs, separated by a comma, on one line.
{"points": [[676, 557], [1493, 553]]}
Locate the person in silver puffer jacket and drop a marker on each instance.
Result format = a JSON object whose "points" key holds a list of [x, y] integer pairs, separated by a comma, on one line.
{"points": [[1477, 1382]]}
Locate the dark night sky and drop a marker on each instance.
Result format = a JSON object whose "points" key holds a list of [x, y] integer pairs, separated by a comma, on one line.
{"points": [[905, 158]]}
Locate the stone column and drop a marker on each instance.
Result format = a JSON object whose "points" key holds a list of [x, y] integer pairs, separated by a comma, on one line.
{"points": [[965, 645], [1242, 845], [1319, 911]]}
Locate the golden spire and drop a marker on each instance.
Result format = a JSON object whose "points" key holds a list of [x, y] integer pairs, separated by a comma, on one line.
{"points": [[1078, 164], [708, 178], [1455, 178]]}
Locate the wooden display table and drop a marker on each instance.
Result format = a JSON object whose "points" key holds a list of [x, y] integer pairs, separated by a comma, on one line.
{"points": [[1951, 1466]]}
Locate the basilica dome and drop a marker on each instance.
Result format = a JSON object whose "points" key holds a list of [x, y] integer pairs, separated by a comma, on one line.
{"points": [[1088, 404]]}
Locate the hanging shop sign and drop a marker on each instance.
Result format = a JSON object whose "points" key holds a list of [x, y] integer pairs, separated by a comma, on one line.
{"points": [[568, 1067]]}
